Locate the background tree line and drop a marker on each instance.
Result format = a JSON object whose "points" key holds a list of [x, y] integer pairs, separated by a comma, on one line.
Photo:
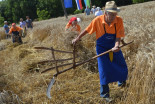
{"points": [[13, 10]]}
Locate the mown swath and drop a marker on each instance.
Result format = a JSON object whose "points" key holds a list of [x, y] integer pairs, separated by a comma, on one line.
{"points": [[45, 48]]}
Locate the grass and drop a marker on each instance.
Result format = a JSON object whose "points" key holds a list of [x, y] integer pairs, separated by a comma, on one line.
{"points": [[20, 72], [2, 34]]}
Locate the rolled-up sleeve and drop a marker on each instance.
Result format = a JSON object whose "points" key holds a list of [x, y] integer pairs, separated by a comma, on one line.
{"points": [[120, 29], [91, 27]]}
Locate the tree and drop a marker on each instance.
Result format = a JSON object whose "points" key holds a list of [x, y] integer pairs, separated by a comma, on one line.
{"points": [[1, 20], [16, 9], [2, 8], [53, 7], [43, 14], [13, 10]]}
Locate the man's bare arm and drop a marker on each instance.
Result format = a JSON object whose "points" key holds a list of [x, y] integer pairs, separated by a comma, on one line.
{"points": [[79, 36]]}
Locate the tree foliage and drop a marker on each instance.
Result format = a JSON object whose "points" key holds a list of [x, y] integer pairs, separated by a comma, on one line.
{"points": [[13, 10], [77, 11], [43, 14], [140, 1], [1, 20]]}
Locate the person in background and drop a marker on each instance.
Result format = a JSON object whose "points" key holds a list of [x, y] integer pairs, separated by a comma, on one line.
{"points": [[23, 26], [93, 10], [16, 33], [6, 28], [87, 11], [98, 12], [73, 25], [29, 23], [109, 30]]}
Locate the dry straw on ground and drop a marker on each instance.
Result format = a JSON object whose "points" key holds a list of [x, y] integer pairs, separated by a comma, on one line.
{"points": [[2, 34], [20, 72], [7, 97]]}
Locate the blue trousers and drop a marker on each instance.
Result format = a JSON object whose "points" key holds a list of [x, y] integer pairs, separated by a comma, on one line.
{"points": [[16, 39], [104, 90]]}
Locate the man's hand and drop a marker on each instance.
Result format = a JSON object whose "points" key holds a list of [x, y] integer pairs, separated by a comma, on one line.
{"points": [[74, 41], [20, 33], [115, 49], [84, 32]]}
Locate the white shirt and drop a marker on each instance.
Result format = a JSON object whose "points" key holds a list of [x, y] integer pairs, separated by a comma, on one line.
{"points": [[23, 24], [98, 13], [93, 10]]}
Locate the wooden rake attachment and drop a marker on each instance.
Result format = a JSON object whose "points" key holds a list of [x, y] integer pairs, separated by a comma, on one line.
{"points": [[74, 63]]}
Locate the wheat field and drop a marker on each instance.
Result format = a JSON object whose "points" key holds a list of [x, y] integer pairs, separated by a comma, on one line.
{"points": [[20, 71]]}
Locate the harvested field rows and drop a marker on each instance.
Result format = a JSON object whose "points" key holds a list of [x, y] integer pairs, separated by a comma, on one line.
{"points": [[20, 73]]}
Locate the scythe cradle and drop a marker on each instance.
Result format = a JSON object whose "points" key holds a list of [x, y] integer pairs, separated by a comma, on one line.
{"points": [[74, 63]]}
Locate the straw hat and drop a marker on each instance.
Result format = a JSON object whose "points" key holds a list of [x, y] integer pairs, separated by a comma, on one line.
{"points": [[111, 6], [5, 22], [98, 8], [93, 6]]}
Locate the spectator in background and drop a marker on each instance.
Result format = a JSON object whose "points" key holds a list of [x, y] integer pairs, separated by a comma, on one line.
{"points": [[16, 33], [6, 28], [87, 11], [29, 23], [93, 10], [98, 12], [23, 26], [73, 25]]}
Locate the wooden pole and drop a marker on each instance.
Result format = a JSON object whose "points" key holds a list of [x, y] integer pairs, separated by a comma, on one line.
{"points": [[53, 55], [74, 56], [90, 59], [62, 2]]}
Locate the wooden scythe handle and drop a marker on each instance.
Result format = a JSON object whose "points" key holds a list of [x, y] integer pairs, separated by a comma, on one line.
{"points": [[91, 59]]}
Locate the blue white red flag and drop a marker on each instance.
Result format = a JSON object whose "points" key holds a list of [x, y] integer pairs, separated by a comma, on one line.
{"points": [[79, 4]]}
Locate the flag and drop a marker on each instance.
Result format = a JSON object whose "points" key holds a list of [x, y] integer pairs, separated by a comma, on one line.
{"points": [[79, 4], [68, 3], [87, 3]]}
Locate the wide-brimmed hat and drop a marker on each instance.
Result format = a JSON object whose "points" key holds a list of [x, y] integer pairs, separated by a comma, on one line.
{"points": [[5, 22], [98, 8], [111, 6], [94, 6]]}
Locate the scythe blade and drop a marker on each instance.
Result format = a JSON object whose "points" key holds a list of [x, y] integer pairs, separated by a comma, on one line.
{"points": [[49, 88]]}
